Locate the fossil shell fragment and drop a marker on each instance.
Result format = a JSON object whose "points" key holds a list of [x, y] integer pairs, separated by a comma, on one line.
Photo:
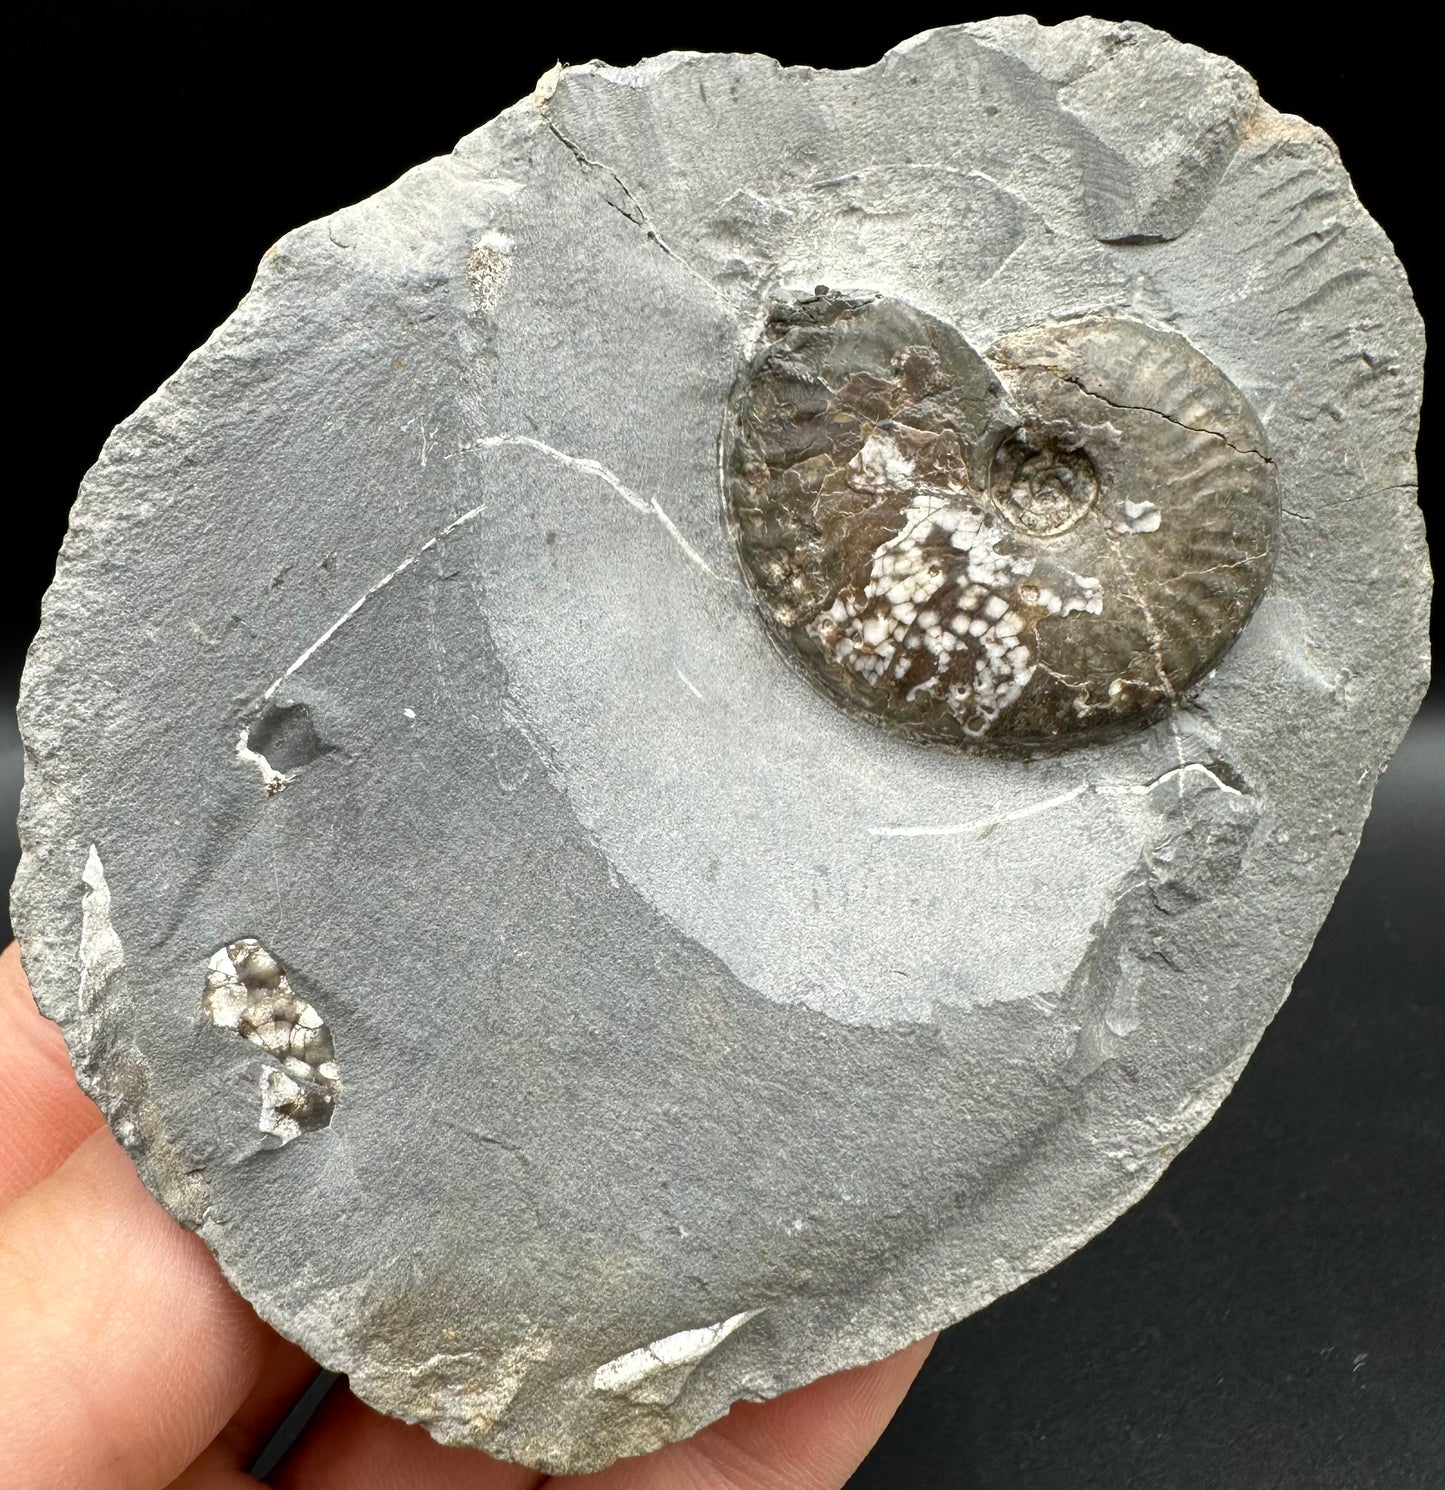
{"points": [[1050, 545], [247, 990]]}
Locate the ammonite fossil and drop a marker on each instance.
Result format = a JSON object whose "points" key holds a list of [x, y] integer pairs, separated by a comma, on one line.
{"points": [[1048, 544], [699, 1038]]}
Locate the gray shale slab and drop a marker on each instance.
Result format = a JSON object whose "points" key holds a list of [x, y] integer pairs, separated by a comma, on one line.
{"points": [[550, 1009]]}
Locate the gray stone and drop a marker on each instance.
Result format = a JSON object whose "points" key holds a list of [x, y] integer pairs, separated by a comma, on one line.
{"points": [[550, 1009]]}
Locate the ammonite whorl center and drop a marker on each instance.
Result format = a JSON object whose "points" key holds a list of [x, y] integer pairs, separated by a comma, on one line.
{"points": [[1043, 546], [1040, 486]]}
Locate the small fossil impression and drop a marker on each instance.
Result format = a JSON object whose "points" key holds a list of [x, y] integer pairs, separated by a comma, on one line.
{"points": [[1049, 545], [247, 991]]}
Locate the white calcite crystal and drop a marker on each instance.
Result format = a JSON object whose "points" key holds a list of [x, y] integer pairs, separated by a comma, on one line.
{"points": [[620, 1026]]}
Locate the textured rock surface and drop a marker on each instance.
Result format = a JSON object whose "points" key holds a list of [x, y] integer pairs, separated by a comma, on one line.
{"points": [[550, 1009]]}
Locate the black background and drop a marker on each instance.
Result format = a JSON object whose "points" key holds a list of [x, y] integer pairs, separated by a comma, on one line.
{"points": [[1271, 1314]]}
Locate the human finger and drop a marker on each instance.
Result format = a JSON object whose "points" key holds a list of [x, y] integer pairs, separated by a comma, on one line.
{"points": [[282, 1378], [809, 1439], [126, 1350], [43, 1113], [350, 1446]]}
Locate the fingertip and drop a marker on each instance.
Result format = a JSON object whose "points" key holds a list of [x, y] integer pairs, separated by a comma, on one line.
{"points": [[123, 1338], [350, 1446], [44, 1115], [809, 1439], [815, 1437]]}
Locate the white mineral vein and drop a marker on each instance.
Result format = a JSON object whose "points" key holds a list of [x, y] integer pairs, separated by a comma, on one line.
{"points": [[1049, 804]]}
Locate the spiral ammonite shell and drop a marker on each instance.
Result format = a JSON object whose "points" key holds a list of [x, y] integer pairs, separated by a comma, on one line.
{"points": [[1047, 545]]}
